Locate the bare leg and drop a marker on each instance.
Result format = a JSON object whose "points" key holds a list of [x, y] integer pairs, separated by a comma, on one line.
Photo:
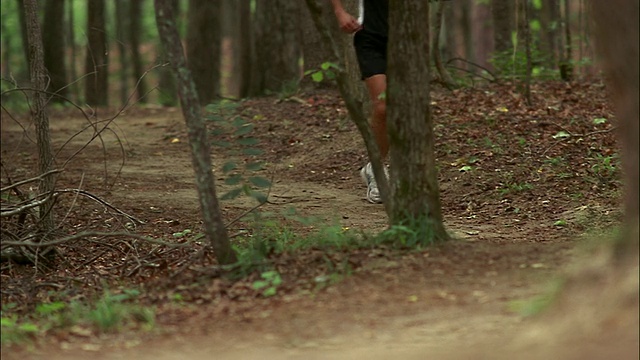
{"points": [[376, 85]]}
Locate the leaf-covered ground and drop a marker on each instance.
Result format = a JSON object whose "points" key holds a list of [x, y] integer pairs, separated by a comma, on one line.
{"points": [[518, 184]]}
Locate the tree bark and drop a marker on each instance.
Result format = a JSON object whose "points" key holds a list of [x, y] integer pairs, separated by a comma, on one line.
{"points": [[203, 47], [245, 49], [437, 57], [277, 44], [39, 114], [415, 195], [121, 38], [135, 28], [167, 82], [617, 38], [54, 48], [214, 228], [566, 67], [96, 60], [502, 13]]}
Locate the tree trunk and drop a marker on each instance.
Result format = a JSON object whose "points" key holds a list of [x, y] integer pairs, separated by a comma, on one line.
{"points": [[415, 199], [617, 41], [39, 81], [73, 53], [24, 37], [526, 34], [96, 61], [167, 82], [314, 50], [502, 12], [437, 57], [121, 38], [566, 67], [549, 21], [214, 228], [277, 44], [54, 47], [135, 28], [203, 47], [245, 49]]}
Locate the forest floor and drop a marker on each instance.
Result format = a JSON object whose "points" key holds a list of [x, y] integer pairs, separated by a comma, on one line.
{"points": [[523, 190]]}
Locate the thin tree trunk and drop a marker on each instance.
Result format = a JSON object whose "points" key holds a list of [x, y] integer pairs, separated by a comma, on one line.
{"points": [[135, 28], [39, 114], [245, 48], [526, 33], [566, 67], [24, 37], [96, 60], [437, 57], [121, 38], [73, 51], [214, 228]]}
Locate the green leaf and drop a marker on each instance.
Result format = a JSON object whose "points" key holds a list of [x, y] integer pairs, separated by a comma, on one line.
{"points": [[252, 151], [254, 166], [465, 168], [259, 284], [229, 166], [29, 327], [330, 74], [269, 291], [233, 179], [217, 132], [317, 76], [247, 141], [325, 65], [8, 322], [239, 121], [259, 181], [243, 130], [260, 197], [232, 194], [220, 143], [50, 308], [598, 121]]}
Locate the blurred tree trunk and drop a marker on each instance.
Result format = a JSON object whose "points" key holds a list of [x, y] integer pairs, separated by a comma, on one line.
{"points": [[617, 37], [39, 79], [73, 52], [24, 73], [229, 57], [437, 55], [464, 22], [167, 83], [54, 48], [7, 50], [525, 34], [97, 59], [566, 58], [550, 24], [315, 51], [135, 29], [502, 12], [204, 30], [415, 199], [245, 48], [121, 12], [214, 228], [278, 46]]}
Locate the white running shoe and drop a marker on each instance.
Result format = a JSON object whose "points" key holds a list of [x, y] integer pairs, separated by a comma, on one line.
{"points": [[373, 194]]}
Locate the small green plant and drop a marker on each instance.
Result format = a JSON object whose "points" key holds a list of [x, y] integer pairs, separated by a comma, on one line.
{"points": [[231, 131], [555, 161], [511, 187], [269, 283], [325, 72], [112, 311], [604, 167], [15, 332]]}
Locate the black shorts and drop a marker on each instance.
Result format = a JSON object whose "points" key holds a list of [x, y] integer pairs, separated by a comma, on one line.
{"points": [[371, 51]]}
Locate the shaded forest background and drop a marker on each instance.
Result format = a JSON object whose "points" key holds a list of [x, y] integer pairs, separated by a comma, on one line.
{"points": [[101, 52]]}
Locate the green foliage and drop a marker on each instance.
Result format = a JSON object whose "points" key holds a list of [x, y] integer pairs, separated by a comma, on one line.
{"points": [[413, 233], [324, 73], [110, 312], [513, 65], [269, 283], [604, 167], [232, 132]]}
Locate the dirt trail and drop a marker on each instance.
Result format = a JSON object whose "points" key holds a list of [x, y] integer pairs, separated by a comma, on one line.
{"points": [[456, 301]]}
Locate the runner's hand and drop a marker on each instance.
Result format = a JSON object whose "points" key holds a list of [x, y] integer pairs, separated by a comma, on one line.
{"points": [[348, 23]]}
